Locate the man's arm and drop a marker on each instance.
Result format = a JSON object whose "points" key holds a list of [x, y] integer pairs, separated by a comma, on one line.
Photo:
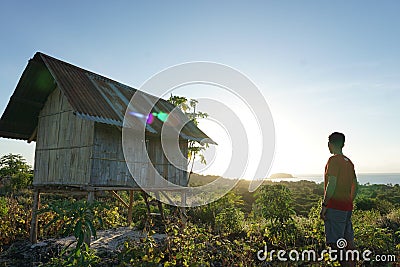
{"points": [[354, 188], [330, 189]]}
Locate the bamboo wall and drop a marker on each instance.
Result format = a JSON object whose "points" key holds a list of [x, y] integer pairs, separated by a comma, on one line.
{"points": [[109, 166], [108, 163], [63, 144], [174, 175], [74, 151]]}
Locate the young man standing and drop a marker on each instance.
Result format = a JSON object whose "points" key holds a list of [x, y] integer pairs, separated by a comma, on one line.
{"points": [[340, 191]]}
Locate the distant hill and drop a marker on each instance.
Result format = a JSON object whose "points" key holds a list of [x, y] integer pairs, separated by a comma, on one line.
{"points": [[281, 175], [305, 193], [198, 179]]}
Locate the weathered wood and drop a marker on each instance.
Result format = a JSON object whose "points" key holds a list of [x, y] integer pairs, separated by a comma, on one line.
{"points": [[146, 200], [88, 237], [90, 198], [75, 151], [33, 136], [130, 208], [115, 194], [64, 144], [160, 206], [34, 219], [171, 202], [183, 208]]}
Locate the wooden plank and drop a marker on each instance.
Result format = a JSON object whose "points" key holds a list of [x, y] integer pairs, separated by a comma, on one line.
{"points": [[52, 167], [63, 130], [59, 167], [46, 167], [66, 166]]}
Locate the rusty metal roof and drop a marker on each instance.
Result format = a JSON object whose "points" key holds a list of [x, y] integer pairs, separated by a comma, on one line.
{"points": [[92, 96]]}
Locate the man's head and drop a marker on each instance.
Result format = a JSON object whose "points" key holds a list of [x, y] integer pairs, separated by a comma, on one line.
{"points": [[336, 142]]}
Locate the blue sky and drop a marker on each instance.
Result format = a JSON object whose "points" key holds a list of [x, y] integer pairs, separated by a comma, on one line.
{"points": [[322, 66]]}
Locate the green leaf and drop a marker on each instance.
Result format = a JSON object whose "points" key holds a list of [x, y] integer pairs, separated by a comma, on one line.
{"points": [[92, 228], [78, 229]]}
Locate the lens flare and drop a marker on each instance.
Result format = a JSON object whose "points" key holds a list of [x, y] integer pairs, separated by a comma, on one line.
{"points": [[150, 119], [162, 116]]}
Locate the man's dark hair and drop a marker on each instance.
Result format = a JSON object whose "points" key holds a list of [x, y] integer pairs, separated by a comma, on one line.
{"points": [[337, 139]]}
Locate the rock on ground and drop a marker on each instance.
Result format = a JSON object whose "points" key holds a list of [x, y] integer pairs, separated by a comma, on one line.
{"points": [[108, 243]]}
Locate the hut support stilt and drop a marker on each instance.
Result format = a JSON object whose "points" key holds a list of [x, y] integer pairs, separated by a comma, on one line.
{"points": [[147, 203], [90, 199], [115, 194], [160, 206], [183, 208], [34, 221], [130, 207]]}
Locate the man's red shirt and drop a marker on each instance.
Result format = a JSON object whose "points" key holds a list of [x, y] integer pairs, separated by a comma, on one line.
{"points": [[342, 168]]}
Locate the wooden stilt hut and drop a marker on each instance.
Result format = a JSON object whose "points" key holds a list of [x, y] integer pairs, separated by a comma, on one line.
{"points": [[75, 117]]}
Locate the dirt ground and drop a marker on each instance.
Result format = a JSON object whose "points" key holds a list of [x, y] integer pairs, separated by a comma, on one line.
{"points": [[107, 245]]}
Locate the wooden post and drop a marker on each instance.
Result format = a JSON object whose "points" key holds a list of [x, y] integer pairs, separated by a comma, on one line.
{"points": [[34, 220], [147, 203], [115, 194], [160, 207], [183, 208], [130, 207], [90, 199]]}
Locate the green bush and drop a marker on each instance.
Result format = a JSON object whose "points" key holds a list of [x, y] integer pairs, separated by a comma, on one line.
{"points": [[214, 213], [274, 204], [229, 220], [15, 173], [369, 233], [14, 220], [78, 218], [190, 245]]}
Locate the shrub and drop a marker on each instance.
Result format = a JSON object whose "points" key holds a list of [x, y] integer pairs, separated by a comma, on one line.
{"points": [[15, 173], [274, 203], [14, 221], [230, 220], [78, 218], [369, 234]]}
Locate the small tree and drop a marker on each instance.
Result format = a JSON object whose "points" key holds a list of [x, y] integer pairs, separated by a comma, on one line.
{"points": [[79, 218], [188, 107], [15, 173], [275, 204]]}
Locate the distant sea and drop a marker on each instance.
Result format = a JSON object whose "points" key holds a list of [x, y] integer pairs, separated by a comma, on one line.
{"points": [[363, 178]]}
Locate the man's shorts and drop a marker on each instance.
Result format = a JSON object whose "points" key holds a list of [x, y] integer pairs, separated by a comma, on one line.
{"points": [[338, 225]]}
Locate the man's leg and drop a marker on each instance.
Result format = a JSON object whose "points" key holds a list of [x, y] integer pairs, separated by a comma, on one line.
{"points": [[349, 236], [335, 227]]}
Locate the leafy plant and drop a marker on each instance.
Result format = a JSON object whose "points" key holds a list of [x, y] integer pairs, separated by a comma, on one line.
{"points": [[15, 173], [83, 257], [78, 218], [230, 204], [188, 107], [13, 221], [274, 203]]}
